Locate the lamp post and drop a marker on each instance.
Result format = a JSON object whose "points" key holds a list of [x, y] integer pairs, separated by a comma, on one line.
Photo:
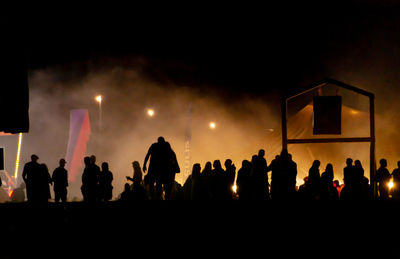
{"points": [[99, 99]]}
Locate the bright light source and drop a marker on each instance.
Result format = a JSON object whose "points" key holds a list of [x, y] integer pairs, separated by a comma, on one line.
{"points": [[212, 125], [150, 112], [390, 184], [18, 155], [234, 188], [98, 98]]}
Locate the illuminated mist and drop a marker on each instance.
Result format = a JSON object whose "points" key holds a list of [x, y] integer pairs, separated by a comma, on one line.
{"points": [[129, 128], [243, 123]]}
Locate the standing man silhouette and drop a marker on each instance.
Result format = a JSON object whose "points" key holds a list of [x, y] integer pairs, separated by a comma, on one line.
{"points": [[60, 180], [30, 175], [161, 168]]}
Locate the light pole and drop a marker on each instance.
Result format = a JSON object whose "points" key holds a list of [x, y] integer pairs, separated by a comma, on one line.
{"points": [[99, 98]]}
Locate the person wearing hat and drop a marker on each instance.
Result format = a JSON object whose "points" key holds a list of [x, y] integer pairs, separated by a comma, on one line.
{"points": [[60, 180], [30, 175]]}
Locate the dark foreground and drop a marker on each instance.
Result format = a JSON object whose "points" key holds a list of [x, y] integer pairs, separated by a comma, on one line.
{"points": [[217, 229]]}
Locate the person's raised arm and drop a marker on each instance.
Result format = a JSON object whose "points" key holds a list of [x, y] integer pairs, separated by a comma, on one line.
{"points": [[145, 160]]}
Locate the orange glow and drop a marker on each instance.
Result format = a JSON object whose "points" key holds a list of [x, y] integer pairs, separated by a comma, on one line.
{"points": [[234, 188], [150, 112], [391, 184], [10, 193], [98, 98]]}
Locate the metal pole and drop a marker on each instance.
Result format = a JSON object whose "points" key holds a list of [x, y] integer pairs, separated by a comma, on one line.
{"points": [[284, 126], [372, 146], [100, 119]]}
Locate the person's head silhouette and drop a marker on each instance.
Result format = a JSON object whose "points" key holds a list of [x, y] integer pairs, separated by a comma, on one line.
{"points": [[161, 140], [383, 162], [86, 160], [228, 163], [62, 162], [349, 162], [316, 164], [104, 166], [217, 164], [34, 158]]}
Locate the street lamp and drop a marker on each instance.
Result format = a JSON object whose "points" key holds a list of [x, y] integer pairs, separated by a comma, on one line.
{"points": [[150, 112], [212, 125], [99, 99]]}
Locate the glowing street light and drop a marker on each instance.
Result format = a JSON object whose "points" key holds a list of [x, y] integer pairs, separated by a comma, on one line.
{"points": [[98, 98], [150, 112], [212, 125]]}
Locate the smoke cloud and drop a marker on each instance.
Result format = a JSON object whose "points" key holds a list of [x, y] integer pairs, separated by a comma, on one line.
{"points": [[243, 124]]}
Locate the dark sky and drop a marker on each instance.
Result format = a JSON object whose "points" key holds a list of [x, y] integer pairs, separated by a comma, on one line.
{"points": [[239, 47]]}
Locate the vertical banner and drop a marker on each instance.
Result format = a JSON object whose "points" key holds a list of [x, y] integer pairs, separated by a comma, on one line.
{"points": [[79, 132]]}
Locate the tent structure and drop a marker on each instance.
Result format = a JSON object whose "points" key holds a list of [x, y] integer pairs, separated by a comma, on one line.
{"points": [[299, 126]]}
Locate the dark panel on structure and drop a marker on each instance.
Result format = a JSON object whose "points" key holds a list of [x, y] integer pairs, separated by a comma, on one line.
{"points": [[14, 91], [327, 115]]}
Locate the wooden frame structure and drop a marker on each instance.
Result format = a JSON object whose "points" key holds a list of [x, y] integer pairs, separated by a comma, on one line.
{"points": [[370, 139]]}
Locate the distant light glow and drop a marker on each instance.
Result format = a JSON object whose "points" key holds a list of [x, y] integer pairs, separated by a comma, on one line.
{"points": [[10, 193], [18, 155], [98, 98], [234, 188], [354, 112], [391, 184], [150, 112], [212, 125]]}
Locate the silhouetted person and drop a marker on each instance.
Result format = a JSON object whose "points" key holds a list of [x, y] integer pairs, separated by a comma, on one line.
{"points": [[105, 183], [348, 192], [89, 181], [60, 181], [192, 186], [230, 173], [348, 172], [361, 187], [292, 167], [162, 168], [314, 180], [137, 173], [327, 189], [358, 172], [259, 176], [243, 181], [283, 178], [126, 196], [382, 178], [206, 180], [31, 177], [302, 193], [396, 182], [168, 179], [137, 188], [45, 180], [218, 181]]}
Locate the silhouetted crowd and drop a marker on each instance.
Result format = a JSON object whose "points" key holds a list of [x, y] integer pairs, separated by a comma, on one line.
{"points": [[213, 182]]}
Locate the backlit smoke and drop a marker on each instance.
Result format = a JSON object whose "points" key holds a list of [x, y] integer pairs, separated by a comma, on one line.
{"points": [[136, 109]]}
